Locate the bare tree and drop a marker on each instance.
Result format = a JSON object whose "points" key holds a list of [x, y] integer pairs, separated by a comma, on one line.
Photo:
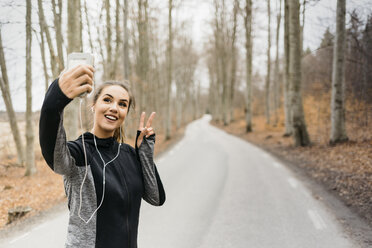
{"points": [[338, 131], [143, 53], [44, 28], [5, 90], [300, 135], [30, 154], [268, 72], [43, 58], [276, 68], [168, 125], [117, 40], [108, 62], [287, 96], [126, 63], [233, 59], [74, 45], [248, 48], [87, 19], [59, 37]]}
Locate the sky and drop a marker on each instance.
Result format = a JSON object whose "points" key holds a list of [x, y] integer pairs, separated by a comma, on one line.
{"points": [[197, 13]]}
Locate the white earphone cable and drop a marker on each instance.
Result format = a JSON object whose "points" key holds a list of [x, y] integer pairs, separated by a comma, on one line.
{"points": [[86, 170]]}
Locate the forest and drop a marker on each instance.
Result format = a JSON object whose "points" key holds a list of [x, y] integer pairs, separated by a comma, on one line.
{"points": [[251, 65]]}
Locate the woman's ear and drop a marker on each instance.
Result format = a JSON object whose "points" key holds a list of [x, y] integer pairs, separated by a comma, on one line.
{"points": [[92, 109]]}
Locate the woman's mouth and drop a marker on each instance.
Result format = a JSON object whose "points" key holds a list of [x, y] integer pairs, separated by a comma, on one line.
{"points": [[111, 118]]}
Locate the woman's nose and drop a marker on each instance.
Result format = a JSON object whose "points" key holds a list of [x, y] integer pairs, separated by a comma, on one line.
{"points": [[114, 107]]}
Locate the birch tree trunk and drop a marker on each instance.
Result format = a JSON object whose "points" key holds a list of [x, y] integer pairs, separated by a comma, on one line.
{"points": [[287, 96], [268, 75], [169, 73], [30, 154], [5, 90], [74, 45], [300, 135], [338, 131], [248, 47], [276, 69]]}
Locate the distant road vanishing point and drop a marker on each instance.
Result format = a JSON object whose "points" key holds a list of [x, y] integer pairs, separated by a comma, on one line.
{"points": [[221, 192]]}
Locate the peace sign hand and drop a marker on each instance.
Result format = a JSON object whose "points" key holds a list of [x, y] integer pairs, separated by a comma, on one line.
{"points": [[147, 130]]}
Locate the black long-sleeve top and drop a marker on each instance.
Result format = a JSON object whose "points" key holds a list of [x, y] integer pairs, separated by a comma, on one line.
{"points": [[129, 178]]}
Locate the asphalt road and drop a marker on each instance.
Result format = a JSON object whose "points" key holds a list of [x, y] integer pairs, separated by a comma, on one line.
{"points": [[221, 192]]}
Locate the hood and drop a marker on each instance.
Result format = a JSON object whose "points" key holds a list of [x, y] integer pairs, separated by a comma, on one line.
{"points": [[104, 142]]}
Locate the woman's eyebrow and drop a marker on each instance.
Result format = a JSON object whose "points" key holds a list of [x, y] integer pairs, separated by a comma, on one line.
{"points": [[125, 100]]}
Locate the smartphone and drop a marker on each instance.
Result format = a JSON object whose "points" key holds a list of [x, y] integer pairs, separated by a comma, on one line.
{"points": [[74, 59]]}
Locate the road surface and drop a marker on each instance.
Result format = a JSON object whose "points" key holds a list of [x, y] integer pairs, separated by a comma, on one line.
{"points": [[221, 192]]}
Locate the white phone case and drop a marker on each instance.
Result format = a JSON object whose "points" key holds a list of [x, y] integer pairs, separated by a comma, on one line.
{"points": [[74, 59]]}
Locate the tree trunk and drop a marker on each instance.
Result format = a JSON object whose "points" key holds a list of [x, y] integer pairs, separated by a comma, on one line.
{"points": [[117, 41], [42, 45], [300, 135], [30, 154], [248, 47], [74, 45], [4, 85], [108, 73], [59, 37], [45, 28], [126, 63], [338, 131], [276, 69], [88, 27], [268, 78], [233, 60], [169, 73], [287, 96], [43, 59]]}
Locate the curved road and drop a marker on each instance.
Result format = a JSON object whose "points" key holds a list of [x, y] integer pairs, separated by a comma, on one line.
{"points": [[221, 192]]}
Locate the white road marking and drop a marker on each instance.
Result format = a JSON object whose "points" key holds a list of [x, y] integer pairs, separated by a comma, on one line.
{"points": [[19, 238], [38, 227], [292, 182], [316, 219]]}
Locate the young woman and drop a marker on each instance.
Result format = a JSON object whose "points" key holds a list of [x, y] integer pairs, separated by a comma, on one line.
{"points": [[104, 178]]}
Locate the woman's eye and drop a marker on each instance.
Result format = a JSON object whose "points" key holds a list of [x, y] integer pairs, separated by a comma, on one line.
{"points": [[107, 99], [123, 104]]}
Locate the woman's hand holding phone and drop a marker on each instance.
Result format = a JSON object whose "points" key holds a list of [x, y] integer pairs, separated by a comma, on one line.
{"points": [[77, 80]]}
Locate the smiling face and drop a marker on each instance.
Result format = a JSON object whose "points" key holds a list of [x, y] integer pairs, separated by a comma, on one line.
{"points": [[110, 110]]}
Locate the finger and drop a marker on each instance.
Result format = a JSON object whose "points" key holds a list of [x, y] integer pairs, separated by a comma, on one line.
{"points": [[149, 134], [62, 72], [83, 88], [82, 69], [142, 120], [84, 79], [149, 121]]}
